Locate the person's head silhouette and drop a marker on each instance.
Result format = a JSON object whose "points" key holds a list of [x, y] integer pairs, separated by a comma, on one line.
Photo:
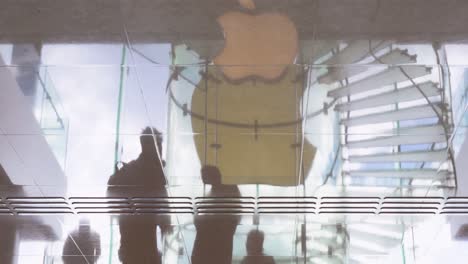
{"points": [[84, 225], [4, 179], [254, 243], [211, 175], [254, 246], [151, 142]]}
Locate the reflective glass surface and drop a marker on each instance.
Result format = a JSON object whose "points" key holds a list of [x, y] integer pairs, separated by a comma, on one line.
{"points": [[247, 131]]}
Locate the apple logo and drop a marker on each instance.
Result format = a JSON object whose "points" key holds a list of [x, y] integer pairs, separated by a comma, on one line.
{"points": [[260, 45], [251, 130]]}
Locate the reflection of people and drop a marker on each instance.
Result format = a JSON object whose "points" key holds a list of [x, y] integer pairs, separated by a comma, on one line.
{"points": [[8, 229], [146, 170], [8, 243], [215, 233], [254, 248], [86, 240], [138, 241], [4, 179]]}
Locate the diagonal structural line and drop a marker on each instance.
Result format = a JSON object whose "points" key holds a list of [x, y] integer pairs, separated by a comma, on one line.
{"points": [[119, 107], [153, 132]]}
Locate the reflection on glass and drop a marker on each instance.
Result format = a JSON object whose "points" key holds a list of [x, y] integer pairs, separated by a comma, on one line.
{"points": [[138, 236], [4, 179], [215, 233], [350, 120], [87, 240], [147, 169], [138, 239], [8, 242], [254, 246]]}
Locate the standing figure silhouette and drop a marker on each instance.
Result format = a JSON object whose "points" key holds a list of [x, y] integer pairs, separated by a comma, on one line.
{"points": [[138, 235], [215, 233]]}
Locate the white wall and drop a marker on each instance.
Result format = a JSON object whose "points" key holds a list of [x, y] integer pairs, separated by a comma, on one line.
{"points": [[24, 152]]}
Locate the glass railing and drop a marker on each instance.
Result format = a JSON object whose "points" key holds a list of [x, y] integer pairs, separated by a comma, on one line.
{"points": [[52, 118]]}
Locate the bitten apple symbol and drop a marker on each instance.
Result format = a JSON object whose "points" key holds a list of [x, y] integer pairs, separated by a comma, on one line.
{"points": [[261, 45], [240, 121]]}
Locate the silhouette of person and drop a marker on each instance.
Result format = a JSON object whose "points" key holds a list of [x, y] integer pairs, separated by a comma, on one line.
{"points": [[138, 241], [8, 242], [147, 169], [88, 241], [254, 248], [8, 230], [215, 233], [4, 179]]}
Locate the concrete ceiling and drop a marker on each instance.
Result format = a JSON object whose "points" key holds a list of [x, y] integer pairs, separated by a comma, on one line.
{"points": [[41, 21]]}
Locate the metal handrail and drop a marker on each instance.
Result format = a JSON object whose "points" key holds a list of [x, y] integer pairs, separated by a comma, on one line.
{"points": [[177, 72], [186, 110], [330, 173], [49, 98], [429, 102], [371, 52]]}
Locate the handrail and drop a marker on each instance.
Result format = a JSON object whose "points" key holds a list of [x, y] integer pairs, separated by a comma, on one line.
{"points": [[330, 173], [178, 72], [49, 98], [446, 77], [429, 102], [186, 110], [371, 52]]}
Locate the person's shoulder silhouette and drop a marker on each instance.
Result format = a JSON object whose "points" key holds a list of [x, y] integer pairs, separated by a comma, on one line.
{"points": [[211, 175], [214, 238], [4, 179], [147, 169]]}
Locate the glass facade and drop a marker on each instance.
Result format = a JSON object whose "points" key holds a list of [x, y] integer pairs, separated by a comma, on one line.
{"points": [[242, 132]]}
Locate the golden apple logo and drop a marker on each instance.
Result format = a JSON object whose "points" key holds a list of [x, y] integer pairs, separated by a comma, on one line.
{"points": [[251, 130], [259, 45]]}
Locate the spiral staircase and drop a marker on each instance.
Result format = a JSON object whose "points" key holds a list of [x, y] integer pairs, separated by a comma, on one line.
{"points": [[395, 132], [394, 116], [395, 125]]}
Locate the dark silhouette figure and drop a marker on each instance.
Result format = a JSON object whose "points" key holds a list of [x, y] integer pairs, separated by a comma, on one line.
{"points": [[88, 241], [147, 169], [4, 179], [8, 229], [138, 241], [254, 248], [8, 243], [215, 233]]}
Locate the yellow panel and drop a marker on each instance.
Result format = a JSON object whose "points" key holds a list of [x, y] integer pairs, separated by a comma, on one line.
{"points": [[249, 155]]}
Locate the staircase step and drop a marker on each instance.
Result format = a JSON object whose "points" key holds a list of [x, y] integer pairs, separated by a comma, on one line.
{"points": [[400, 173], [318, 247], [417, 112], [378, 239], [353, 191], [358, 250], [406, 94], [396, 56], [394, 231], [413, 156], [319, 259], [358, 260], [356, 51], [389, 76], [403, 136]]}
